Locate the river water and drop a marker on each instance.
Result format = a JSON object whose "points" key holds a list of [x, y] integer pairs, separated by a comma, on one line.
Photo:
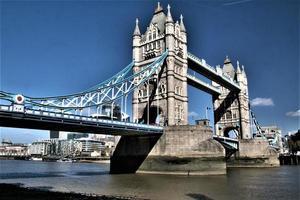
{"points": [[238, 183]]}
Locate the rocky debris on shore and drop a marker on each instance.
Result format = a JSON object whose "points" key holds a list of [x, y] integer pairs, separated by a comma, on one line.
{"points": [[18, 191]]}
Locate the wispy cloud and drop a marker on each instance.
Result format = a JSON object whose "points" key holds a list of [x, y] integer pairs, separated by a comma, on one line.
{"points": [[236, 2], [193, 114], [262, 102], [293, 113]]}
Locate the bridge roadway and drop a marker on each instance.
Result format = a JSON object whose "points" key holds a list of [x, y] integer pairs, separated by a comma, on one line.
{"points": [[45, 120], [199, 84], [200, 66], [228, 143]]}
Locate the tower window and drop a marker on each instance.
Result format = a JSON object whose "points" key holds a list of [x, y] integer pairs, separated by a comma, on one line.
{"points": [[228, 115]]}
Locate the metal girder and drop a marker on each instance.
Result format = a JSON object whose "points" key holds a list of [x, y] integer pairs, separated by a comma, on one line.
{"points": [[107, 92], [45, 120]]}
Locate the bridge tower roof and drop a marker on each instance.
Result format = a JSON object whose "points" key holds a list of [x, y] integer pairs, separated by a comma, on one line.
{"points": [[159, 18], [182, 27], [137, 29], [228, 68]]}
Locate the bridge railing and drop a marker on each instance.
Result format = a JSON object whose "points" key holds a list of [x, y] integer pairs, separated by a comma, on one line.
{"points": [[42, 113], [209, 86], [202, 62]]}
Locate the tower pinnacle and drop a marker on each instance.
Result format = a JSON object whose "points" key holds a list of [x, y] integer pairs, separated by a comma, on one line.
{"points": [[169, 16], [238, 69], [182, 27], [158, 8], [227, 60], [137, 29]]}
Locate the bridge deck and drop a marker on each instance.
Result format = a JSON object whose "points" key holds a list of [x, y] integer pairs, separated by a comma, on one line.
{"points": [[197, 83], [200, 66], [44, 120], [228, 143]]}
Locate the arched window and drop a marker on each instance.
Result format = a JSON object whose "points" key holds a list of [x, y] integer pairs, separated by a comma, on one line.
{"points": [[154, 35], [162, 88], [140, 94], [178, 90], [234, 115], [228, 115]]}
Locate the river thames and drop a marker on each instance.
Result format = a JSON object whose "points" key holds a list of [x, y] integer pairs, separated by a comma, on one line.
{"points": [[92, 178]]}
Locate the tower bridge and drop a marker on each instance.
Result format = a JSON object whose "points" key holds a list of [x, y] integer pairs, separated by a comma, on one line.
{"points": [[156, 80]]}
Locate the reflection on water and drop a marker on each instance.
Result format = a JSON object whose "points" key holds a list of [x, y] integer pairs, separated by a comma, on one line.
{"points": [[252, 183]]}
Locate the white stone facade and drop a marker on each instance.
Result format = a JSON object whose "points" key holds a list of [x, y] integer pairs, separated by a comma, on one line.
{"points": [[167, 96]]}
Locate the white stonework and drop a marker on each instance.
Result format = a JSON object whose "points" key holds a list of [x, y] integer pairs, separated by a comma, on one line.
{"points": [[231, 109], [167, 96]]}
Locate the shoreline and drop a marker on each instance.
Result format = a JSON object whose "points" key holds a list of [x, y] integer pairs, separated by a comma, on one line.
{"points": [[10, 191], [102, 160]]}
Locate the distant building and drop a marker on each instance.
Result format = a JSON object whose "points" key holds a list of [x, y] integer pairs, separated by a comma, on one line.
{"points": [[54, 134], [63, 148], [90, 145], [8, 149], [40, 148], [6, 142], [73, 136]]}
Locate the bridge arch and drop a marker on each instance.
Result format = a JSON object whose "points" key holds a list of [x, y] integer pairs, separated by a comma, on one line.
{"points": [[231, 132]]}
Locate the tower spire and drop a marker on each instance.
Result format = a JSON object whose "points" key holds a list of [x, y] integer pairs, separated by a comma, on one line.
{"points": [[158, 8], [182, 27], [238, 67], [137, 29], [169, 16]]}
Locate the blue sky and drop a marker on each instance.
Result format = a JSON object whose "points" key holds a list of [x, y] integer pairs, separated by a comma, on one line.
{"points": [[60, 47]]}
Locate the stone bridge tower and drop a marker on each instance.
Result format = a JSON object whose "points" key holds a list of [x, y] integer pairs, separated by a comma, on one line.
{"points": [[164, 98], [231, 109]]}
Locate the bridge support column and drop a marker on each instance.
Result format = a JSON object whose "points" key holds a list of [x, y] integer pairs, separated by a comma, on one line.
{"points": [[186, 150], [254, 153], [130, 153]]}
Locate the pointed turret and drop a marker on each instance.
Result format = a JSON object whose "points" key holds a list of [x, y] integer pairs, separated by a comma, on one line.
{"points": [[182, 27], [137, 29], [136, 40], [238, 69], [243, 70], [228, 67], [227, 60], [169, 16], [158, 8]]}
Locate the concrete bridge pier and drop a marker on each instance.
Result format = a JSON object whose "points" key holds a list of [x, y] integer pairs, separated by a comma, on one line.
{"points": [[131, 152], [186, 150], [254, 153]]}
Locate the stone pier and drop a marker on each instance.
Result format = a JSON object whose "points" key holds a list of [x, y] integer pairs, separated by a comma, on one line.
{"points": [[186, 150], [254, 153]]}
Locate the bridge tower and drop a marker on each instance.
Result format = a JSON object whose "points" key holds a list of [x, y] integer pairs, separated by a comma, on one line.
{"points": [[231, 109], [163, 99]]}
